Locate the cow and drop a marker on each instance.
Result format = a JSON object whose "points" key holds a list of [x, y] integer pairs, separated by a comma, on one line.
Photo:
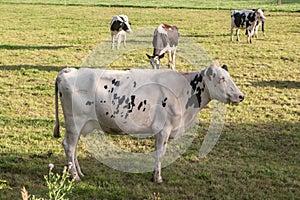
{"points": [[245, 19], [165, 39], [160, 103], [119, 25]]}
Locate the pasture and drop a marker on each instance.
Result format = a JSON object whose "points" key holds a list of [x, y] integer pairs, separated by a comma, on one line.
{"points": [[257, 155]]}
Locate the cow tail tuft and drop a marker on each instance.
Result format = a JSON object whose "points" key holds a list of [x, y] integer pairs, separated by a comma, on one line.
{"points": [[56, 128]]}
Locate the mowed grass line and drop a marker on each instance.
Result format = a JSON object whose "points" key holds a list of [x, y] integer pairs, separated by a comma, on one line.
{"points": [[257, 156]]}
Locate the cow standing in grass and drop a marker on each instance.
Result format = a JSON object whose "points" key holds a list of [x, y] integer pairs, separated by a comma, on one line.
{"points": [[246, 19], [165, 39], [158, 103], [119, 25]]}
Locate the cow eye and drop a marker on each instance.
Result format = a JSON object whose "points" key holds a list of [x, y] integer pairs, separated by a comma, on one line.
{"points": [[222, 79]]}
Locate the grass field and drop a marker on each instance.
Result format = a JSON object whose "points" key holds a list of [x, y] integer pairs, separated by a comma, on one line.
{"points": [[257, 155]]}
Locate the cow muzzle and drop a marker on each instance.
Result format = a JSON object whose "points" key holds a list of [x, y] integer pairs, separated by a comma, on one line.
{"points": [[236, 98]]}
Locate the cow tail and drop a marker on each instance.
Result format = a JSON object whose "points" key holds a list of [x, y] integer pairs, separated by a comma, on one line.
{"points": [[56, 128]]}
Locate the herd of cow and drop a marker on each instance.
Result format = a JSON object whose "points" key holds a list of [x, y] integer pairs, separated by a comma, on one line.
{"points": [[166, 37], [160, 103]]}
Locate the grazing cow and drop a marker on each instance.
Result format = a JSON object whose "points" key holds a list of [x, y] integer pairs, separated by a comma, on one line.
{"points": [[119, 25], [165, 39], [246, 19], [163, 103]]}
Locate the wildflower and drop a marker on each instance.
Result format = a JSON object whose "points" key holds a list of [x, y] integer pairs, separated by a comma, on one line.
{"points": [[65, 169], [51, 166]]}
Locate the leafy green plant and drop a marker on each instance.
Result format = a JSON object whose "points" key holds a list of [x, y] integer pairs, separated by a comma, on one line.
{"points": [[3, 185], [59, 185]]}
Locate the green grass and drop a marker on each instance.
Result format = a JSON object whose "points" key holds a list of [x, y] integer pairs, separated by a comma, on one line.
{"points": [[256, 157]]}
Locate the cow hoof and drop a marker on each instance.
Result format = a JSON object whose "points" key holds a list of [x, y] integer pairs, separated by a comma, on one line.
{"points": [[160, 181]]}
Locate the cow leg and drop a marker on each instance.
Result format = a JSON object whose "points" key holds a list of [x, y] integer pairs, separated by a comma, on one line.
{"points": [[124, 39], [70, 144], [256, 32], [112, 41], [160, 149], [170, 60], [77, 165], [119, 36], [231, 34], [249, 36], [173, 59], [237, 34]]}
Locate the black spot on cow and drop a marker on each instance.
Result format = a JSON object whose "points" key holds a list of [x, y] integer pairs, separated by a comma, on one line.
{"points": [[140, 105], [197, 88], [252, 16], [239, 19], [122, 99], [131, 103], [145, 102], [197, 79], [106, 113], [134, 84], [105, 86], [126, 116], [115, 96], [115, 82], [89, 103], [116, 111], [164, 102], [194, 100]]}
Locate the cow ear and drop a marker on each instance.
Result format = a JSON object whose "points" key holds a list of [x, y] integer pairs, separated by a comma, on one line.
{"points": [[225, 67], [209, 73], [161, 56], [149, 57]]}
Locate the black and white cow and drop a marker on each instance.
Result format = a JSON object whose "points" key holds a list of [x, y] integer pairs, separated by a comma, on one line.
{"points": [[165, 39], [246, 19], [119, 25], [159, 103]]}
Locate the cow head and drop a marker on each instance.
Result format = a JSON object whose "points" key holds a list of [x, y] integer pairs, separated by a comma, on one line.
{"points": [[220, 85], [260, 15], [125, 24], [155, 60]]}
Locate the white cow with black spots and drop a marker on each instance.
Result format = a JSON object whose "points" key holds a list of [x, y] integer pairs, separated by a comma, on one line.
{"points": [[119, 25], [246, 19], [165, 39], [137, 102]]}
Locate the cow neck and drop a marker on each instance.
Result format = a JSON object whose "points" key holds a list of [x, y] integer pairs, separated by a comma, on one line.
{"points": [[205, 97], [198, 93]]}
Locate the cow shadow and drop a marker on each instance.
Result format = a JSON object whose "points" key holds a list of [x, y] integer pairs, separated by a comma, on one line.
{"points": [[206, 35], [20, 47], [38, 67], [278, 84]]}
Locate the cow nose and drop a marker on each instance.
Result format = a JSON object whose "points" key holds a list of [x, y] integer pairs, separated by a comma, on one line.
{"points": [[241, 98]]}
